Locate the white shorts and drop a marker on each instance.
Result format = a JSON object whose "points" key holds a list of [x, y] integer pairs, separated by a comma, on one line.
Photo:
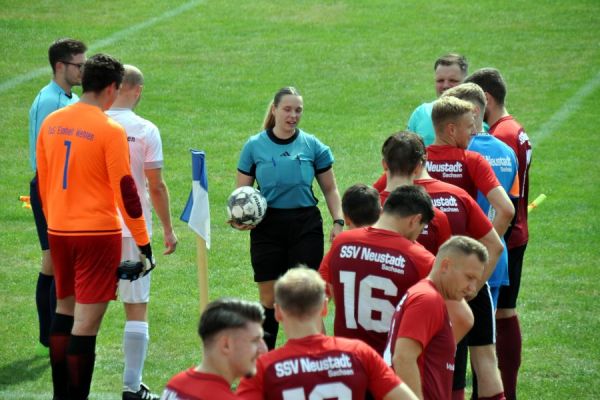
{"points": [[137, 291]]}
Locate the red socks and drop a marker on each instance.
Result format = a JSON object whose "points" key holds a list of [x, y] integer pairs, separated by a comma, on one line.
{"points": [[80, 361], [508, 350]]}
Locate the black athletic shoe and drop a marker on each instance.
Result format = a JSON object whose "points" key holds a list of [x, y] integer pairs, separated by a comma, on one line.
{"points": [[142, 394]]}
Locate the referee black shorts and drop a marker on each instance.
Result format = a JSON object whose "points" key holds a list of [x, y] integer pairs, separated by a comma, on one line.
{"points": [[284, 239], [38, 214], [508, 294]]}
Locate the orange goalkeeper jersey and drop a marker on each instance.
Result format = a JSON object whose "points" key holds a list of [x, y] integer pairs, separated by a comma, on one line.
{"points": [[84, 174]]}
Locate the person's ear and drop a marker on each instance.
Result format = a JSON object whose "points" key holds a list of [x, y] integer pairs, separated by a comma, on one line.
{"points": [[278, 313]]}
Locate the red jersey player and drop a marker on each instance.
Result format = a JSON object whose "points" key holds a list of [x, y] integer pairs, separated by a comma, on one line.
{"points": [[370, 269], [420, 344], [401, 165], [506, 128], [231, 333], [311, 365]]}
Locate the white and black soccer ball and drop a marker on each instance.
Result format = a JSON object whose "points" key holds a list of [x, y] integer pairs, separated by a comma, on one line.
{"points": [[246, 206]]}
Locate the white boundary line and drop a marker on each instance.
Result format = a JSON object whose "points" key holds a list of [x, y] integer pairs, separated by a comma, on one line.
{"points": [[16, 81], [566, 110]]}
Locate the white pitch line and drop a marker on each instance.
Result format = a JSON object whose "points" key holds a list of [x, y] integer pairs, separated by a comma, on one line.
{"points": [[566, 110], [17, 80]]}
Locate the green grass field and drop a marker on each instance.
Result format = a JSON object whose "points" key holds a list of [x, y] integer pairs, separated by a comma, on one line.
{"points": [[211, 68]]}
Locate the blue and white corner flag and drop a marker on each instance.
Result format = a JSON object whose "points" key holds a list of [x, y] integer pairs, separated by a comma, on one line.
{"points": [[197, 212]]}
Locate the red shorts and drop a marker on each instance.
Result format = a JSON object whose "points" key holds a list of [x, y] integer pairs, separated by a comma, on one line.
{"points": [[86, 267]]}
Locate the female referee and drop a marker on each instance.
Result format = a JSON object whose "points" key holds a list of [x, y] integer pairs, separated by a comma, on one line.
{"points": [[284, 161]]}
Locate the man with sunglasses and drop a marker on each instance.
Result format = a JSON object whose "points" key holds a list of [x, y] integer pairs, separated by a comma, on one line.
{"points": [[66, 58]]}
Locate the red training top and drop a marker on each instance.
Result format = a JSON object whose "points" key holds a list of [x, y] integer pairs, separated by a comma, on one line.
{"points": [[511, 132], [369, 270], [435, 232], [193, 385], [423, 317], [319, 366], [463, 168]]}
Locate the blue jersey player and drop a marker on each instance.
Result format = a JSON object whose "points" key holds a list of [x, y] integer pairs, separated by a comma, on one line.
{"points": [[284, 161], [66, 57]]}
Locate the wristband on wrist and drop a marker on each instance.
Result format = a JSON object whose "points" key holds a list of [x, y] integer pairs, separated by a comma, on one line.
{"points": [[340, 222]]}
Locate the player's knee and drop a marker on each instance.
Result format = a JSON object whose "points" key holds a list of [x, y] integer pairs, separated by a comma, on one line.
{"points": [[136, 311], [47, 266]]}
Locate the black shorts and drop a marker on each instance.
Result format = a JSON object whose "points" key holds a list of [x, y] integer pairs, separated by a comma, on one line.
{"points": [[508, 294], [38, 214], [284, 239], [483, 332], [459, 378]]}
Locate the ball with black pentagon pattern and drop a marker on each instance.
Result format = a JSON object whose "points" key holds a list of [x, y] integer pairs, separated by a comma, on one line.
{"points": [[246, 206]]}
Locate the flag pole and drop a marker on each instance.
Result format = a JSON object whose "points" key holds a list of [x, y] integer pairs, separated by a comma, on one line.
{"points": [[197, 215], [202, 263]]}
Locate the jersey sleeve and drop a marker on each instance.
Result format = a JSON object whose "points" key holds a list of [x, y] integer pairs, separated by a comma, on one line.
{"points": [[42, 107], [153, 154], [478, 224], [123, 185], [413, 121], [443, 227], [423, 317], [381, 377], [514, 189], [42, 172], [324, 267], [381, 183], [482, 173], [246, 163], [323, 156], [424, 261]]}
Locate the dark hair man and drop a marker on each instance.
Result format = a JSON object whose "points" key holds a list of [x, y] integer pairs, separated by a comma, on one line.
{"points": [[66, 58], [232, 339]]}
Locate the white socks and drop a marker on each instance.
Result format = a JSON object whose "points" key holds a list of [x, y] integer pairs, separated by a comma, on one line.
{"points": [[135, 345]]}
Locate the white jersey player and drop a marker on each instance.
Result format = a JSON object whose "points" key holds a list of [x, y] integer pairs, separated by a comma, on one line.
{"points": [[146, 159]]}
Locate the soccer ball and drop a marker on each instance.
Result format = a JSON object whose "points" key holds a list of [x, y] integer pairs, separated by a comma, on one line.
{"points": [[246, 206]]}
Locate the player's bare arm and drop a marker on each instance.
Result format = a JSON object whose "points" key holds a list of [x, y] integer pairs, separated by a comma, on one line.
{"points": [[504, 208], [401, 392], [494, 246], [461, 316], [159, 194], [405, 363], [328, 186]]}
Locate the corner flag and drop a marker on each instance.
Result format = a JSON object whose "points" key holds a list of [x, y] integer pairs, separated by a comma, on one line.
{"points": [[197, 212], [197, 216]]}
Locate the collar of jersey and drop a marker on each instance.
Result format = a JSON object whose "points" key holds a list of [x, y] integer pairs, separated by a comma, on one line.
{"points": [[275, 139]]}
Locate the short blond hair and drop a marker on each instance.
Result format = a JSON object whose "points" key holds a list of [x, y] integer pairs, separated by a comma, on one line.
{"points": [[300, 292], [469, 92], [465, 246], [133, 76], [448, 109]]}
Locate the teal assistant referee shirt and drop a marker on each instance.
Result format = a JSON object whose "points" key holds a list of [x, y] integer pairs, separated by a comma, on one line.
{"points": [[49, 99], [285, 169]]}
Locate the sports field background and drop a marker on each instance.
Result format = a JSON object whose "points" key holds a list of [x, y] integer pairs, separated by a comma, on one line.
{"points": [[211, 68]]}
